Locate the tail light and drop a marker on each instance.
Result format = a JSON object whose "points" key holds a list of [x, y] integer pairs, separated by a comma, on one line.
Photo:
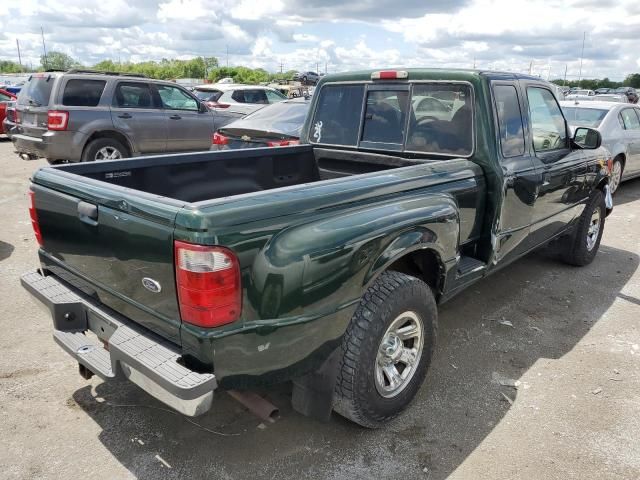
{"points": [[390, 75], [219, 139], [283, 143], [217, 105], [610, 164], [208, 281], [11, 114], [34, 217], [57, 120]]}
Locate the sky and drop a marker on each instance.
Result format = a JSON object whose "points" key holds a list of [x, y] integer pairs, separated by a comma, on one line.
{"points": [[541, 37]]}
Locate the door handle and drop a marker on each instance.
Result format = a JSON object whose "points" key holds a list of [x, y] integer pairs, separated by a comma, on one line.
{"points": [[88, 213], [124, 115], [546, 179], [175, 117]]}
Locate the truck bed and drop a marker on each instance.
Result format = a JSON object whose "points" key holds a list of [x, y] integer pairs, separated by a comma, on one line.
{"points": [[206, 176]]}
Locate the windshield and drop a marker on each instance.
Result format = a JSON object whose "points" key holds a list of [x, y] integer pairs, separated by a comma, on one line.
{"points": [[584, 117], [208, 95], [36, 91], [283, 117]]}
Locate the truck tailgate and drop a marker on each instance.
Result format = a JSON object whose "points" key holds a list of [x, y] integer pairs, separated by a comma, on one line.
{"points": [[117, 249]]}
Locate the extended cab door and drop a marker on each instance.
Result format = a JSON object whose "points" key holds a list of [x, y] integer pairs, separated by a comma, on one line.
{"points": [[136, 113], [563, 170], [519, 175], [189, 127]]}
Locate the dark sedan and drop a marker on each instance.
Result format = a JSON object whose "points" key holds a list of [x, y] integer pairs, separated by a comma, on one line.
{"points": [[276, 125]]}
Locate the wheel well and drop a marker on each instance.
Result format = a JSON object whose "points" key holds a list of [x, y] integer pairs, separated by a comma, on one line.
{"points": [[110, 134], [423, 264], [623, 159]]}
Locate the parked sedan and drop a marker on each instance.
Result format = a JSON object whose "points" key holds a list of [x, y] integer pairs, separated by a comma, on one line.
{"points": [[619, 125], [5, 99], [307, 77], [581, 95], [273, 126], [231, 101]]}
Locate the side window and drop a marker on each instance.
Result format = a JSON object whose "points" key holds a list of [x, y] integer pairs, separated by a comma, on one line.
{"points": [[509, 120], [274, 97], [5, 98], [547, 122], [83, 93], [174, 98], [238, 96], [337, 116], [255, 96], [385, 116], [630, 119], [133, 95]]}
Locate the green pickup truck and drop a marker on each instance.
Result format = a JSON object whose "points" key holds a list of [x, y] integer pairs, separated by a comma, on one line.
{"points": [[320, 264]]}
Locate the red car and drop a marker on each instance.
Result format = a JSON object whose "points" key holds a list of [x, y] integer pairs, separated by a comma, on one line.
{"points": [[5, 97]]}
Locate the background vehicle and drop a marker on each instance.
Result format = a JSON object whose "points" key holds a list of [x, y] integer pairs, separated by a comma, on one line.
{"points": [[611, 97], [580, 95], [232, 101], [320, 263], [275, 125], [81, 115], [630, 92], [619, 125], [5, 99], [307, 77], [600, 91]]}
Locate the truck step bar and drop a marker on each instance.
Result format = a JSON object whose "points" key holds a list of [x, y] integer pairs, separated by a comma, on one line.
{"points": [[468, 265], [131, 351]]}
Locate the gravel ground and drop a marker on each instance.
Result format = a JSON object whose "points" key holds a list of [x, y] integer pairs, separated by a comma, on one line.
{"points": [[572, 353]]}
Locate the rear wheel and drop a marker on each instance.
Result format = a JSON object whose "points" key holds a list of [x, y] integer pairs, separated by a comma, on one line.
{"points": [[581, 248], [616, 175], [104, 149], [386, 350]]}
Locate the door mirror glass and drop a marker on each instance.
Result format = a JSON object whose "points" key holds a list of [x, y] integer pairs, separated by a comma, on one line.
{"points": [[587, 138]]}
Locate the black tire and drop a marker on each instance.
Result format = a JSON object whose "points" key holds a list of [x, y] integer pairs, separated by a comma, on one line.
{"points": [[357, 396], [578, 250], [95, 146], [304, 80]]}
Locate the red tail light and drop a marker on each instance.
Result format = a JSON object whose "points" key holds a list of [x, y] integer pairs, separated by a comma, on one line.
{"points": [[208, 281], [217, 105], [283, 143], [610, 164], [390, 75], [57, 120], [34, 217], [219, 139]]}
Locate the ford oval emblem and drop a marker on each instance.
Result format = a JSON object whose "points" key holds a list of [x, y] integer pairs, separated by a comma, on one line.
{"points": [[151, 285]]}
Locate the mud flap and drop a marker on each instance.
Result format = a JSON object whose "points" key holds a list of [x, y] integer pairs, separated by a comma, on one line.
{"points": [[313, 393]]}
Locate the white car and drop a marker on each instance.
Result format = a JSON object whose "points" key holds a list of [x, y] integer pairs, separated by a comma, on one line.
{"points": [[619, 125], [231, 101], [581, 95]]}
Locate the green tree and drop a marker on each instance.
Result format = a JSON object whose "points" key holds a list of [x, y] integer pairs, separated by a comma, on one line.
{"points": [[58, 61], [7, 66], [632, 80]]}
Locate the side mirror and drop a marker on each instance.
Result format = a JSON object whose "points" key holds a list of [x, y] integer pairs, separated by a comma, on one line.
{"points": [[203, 107], [587, 138]]}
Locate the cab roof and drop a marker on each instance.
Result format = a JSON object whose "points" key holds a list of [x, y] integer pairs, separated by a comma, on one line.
{"points": [[469, 75]]}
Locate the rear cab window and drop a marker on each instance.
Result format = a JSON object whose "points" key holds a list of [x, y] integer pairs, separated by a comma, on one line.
{"points": [[421, 117], [509, 120], [37, 90], [82, 92]]}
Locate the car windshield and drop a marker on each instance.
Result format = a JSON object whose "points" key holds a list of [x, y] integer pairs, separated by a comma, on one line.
{"points": [[208, 95], [584, 117], [36, 91], [285, 117]]}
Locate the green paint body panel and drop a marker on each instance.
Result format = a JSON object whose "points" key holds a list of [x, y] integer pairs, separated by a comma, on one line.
{"points": [[308, 247]]}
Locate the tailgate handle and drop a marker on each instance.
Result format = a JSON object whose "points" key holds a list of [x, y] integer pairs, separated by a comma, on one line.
{"points": [[88, 213]]}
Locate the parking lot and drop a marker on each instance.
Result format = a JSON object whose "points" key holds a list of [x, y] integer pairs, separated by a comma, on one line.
{"points": [[536, 375]]}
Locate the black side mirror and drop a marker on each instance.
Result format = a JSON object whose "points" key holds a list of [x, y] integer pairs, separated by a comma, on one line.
{"points": [[587, 138]]}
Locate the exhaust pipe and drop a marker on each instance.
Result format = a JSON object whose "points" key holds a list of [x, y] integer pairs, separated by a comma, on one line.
{"points": [[260, 407], [25, 156]]}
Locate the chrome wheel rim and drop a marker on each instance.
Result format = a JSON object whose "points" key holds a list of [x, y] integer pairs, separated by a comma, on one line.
{"points": [[399, 354], [594, 229], [108, 153], [616, 176]]}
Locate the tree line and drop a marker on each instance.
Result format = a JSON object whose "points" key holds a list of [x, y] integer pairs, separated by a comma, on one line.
{"points": [[209, 68], [165, 69]]}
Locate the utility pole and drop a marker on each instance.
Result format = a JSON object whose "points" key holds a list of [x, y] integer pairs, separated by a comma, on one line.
{"points": [[227, 56], [584, 36], [325, 67], [530, 67], [281, 67], [19, 57], [474, 62], [44, 49], [565, 75]]}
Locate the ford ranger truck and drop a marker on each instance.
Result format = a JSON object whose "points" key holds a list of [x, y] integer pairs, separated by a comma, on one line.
{"points": [[320, 264]]}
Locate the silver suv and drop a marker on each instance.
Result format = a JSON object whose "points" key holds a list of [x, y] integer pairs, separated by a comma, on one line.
{"points": [[82, 115]]}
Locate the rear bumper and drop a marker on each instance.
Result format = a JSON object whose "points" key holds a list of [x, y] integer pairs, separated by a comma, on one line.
{"points": [[132, 352], [52, 145]]}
